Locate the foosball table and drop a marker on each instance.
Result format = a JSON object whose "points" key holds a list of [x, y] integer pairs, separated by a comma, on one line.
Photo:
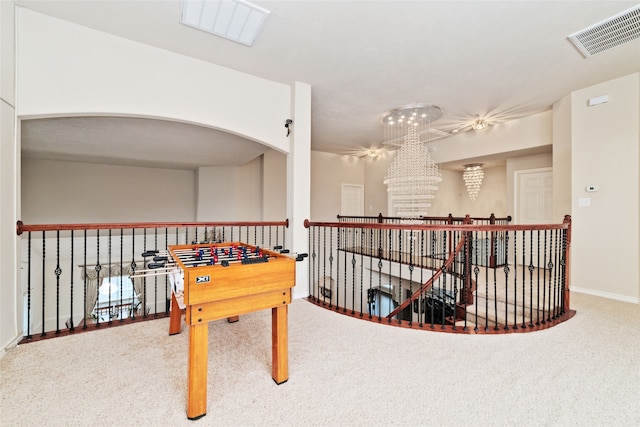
{"points": [[222, 281]]}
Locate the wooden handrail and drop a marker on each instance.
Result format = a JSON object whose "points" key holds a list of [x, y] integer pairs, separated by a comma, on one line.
{"points": [[445, 219], [21, 227], [429, 282], [448, 227]]}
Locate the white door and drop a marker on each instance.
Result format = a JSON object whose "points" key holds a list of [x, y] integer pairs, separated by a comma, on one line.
{"points": [[535, 196], [534, 203], [352, 200]]}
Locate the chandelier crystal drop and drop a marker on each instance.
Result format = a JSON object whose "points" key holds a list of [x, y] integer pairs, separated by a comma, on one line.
{"points": [[413, 177], [473, 176]]}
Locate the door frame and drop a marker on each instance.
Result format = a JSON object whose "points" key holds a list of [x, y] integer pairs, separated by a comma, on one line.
{"points": [[517, 176], [342, 196]]}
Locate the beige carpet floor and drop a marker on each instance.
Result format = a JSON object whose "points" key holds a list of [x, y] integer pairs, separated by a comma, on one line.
{"points": [[343, 372]]}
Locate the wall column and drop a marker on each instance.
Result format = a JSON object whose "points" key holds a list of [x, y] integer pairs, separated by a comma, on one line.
{"points": [[299, 182], [10, 311]]}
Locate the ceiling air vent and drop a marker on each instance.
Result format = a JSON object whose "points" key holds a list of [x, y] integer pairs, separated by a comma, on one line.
{"points": [[236, 20], [611, 32]]}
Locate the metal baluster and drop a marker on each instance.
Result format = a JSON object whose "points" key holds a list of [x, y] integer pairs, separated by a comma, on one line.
{"points": [[532, 268], [29, 286], [524, 277], [563, 269], [372, 298], [109, 272], [310, 251], [411, 266], [487, 261], [133, 267], [313, 260], [353, 269], [58, 272], [144, 278], [353, 300], [324, 266], [167, 292], [342, 243], [422, 267], [122, 274], [544, 282], [556, 303], [98, 267], [390, 258], [515, 279], [370, 273], [155, 278], [72, 327], [506, 278], [84, 280], [42, 334]]}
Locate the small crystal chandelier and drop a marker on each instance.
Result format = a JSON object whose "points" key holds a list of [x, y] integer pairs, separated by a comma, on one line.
{"points": [[479, 124], [473, 176], [413, 177]]}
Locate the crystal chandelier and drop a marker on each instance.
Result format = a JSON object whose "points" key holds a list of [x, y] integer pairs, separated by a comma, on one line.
{"points": [[413, 177], [479, 124], [473, 176]]}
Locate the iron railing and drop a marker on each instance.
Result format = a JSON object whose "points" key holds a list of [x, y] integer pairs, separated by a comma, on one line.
{"points": [[466, 277], [74, 276]]}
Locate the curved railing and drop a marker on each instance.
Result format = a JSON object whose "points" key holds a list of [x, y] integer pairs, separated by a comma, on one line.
{"points": [[470, 278]]}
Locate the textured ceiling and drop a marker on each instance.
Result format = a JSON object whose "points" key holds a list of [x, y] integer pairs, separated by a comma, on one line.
{"points": [[497, 59]]}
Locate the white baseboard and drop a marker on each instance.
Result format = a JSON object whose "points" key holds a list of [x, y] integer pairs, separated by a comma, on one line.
{"points": [[12, 344], [608, 295]]}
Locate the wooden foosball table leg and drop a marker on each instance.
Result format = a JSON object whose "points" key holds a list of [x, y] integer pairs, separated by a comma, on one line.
{"points": [[197, 375], [279, 344], [175, 316]]}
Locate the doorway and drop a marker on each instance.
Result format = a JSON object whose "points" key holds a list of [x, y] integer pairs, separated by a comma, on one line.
{"points": [[534, 196], [352, 203]]}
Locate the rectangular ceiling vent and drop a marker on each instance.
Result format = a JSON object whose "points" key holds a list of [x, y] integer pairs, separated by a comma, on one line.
{"points": [[236, 20], [607, 34]]}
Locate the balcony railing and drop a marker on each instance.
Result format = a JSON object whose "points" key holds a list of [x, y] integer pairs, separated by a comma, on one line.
{"points": [[466, 277], [78, 276]]}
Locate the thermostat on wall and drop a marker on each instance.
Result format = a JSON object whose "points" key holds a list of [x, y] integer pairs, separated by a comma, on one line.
{"points": [[591, 188]]}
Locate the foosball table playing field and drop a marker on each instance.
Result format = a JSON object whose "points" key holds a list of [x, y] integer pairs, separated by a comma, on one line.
{"points": [[226, 280]]}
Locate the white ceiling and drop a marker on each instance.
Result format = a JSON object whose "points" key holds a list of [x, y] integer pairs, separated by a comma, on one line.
{"points": [[497, 59]]}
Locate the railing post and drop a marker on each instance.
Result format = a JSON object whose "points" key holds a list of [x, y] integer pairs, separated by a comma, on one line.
{"points": [[567, 265]]}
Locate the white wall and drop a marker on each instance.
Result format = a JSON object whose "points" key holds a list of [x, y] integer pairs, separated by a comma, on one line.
{"points": [[93, 73], [74, 192], [10, 311], [510, 137], [274, 186], [605, 151], [328, 173], [562, 157], [230, 193]]}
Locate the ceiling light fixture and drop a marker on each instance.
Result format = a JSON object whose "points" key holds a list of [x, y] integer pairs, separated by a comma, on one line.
{"points": [[473, 176], [236, 20], [413, 177], [479, 124]]}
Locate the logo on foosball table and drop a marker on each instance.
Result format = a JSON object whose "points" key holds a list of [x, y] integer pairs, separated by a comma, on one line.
{"points": [[203, 279]]}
